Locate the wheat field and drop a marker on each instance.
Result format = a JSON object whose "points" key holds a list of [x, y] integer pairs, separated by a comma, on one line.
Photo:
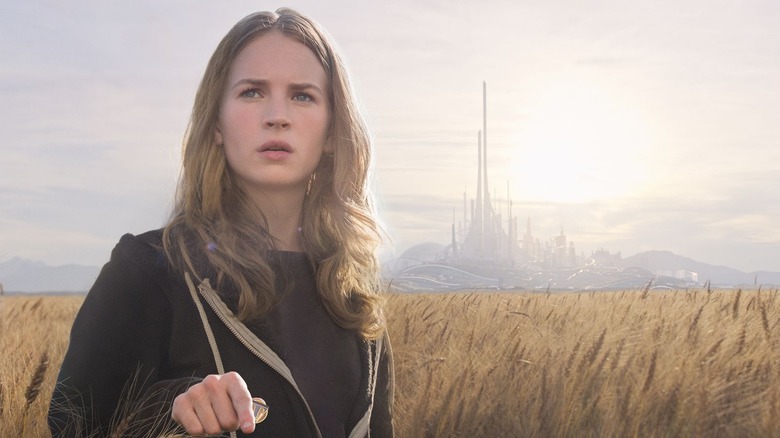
{"points": [[485, 364]]}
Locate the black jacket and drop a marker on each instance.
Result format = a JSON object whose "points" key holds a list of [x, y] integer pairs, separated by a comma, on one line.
{"points": [[138, 341]]}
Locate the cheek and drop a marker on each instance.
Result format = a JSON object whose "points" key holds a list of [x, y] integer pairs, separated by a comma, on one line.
{"points": [[232, 144], [234, 123]]}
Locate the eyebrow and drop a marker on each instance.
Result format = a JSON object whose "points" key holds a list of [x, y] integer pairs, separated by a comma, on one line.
{"points": [[297, 86]]}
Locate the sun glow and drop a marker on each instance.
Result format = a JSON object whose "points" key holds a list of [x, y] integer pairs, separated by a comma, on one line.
{"points": [[578, 144]]}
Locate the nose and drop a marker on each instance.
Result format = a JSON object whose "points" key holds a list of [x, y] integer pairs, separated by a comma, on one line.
{"points": [[276, 114]]}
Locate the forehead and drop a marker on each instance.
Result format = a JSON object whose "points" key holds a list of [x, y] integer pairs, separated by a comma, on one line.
{"points": [[277, 56]]}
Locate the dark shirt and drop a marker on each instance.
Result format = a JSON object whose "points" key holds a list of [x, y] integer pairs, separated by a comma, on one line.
{"points": [[322, 356]]}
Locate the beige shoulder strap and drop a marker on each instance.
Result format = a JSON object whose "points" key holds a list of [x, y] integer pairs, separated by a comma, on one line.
{"points": [[207, 328], [206, 325]]}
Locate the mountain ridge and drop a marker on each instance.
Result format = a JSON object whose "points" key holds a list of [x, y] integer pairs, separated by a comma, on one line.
{"points": [[30, 276], [718, 275]]}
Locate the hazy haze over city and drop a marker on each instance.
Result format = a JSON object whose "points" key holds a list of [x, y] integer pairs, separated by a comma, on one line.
{"points": [[632, 125]]}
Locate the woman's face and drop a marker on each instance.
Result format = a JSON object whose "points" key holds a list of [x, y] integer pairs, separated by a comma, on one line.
{"points": [[274, 115]]}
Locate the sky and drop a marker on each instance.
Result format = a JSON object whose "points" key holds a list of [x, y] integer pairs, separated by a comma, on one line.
{"points": [[632, 126]]}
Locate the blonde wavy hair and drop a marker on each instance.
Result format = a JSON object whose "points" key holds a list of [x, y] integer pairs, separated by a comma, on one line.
{"points": [[214, 220]]}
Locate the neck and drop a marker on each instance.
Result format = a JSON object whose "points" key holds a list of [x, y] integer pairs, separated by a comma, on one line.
{"points": [[282, 210]]}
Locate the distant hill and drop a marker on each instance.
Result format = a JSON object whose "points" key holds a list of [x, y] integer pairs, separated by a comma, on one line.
{"points": [[20, 275], [717, 275]]}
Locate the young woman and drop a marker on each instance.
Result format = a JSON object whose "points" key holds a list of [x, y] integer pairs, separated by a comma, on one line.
{"points": [[263, 285]]}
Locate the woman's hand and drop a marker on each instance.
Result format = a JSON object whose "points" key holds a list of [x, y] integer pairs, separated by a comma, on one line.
{"points": [[220, 403]]}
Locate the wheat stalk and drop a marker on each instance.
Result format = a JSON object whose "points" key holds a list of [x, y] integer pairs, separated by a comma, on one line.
{"points": [[765, 321], [694, 324], [571, 358], [714, 349], [123, 426], [646, 292], [735, 306], [741, 339], [34, 388], [650, 372], [2, 400], [590, 356]]}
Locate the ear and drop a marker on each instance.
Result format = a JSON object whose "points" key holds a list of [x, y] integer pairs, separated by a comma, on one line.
{"points": [[328, 148], [218, 136]]}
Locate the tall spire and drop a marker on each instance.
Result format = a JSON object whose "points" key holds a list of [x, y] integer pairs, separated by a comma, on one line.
{"points": [[489, 242], [484, 238], [484, 142], [480, 213]]}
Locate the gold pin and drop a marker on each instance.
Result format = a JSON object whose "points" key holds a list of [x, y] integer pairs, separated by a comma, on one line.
{"points": [[260, 409]]}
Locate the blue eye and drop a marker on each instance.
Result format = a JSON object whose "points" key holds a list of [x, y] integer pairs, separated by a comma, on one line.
{"points": [[303, 97], [252, 92]]}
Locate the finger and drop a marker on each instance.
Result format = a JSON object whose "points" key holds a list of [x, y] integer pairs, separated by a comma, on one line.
{"points": [[183, 413], [241, 403], [200, 397], [208, 419], [222, 406]]}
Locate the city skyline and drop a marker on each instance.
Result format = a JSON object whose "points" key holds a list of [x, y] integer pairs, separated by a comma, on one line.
{"points": [[642, 126]]}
